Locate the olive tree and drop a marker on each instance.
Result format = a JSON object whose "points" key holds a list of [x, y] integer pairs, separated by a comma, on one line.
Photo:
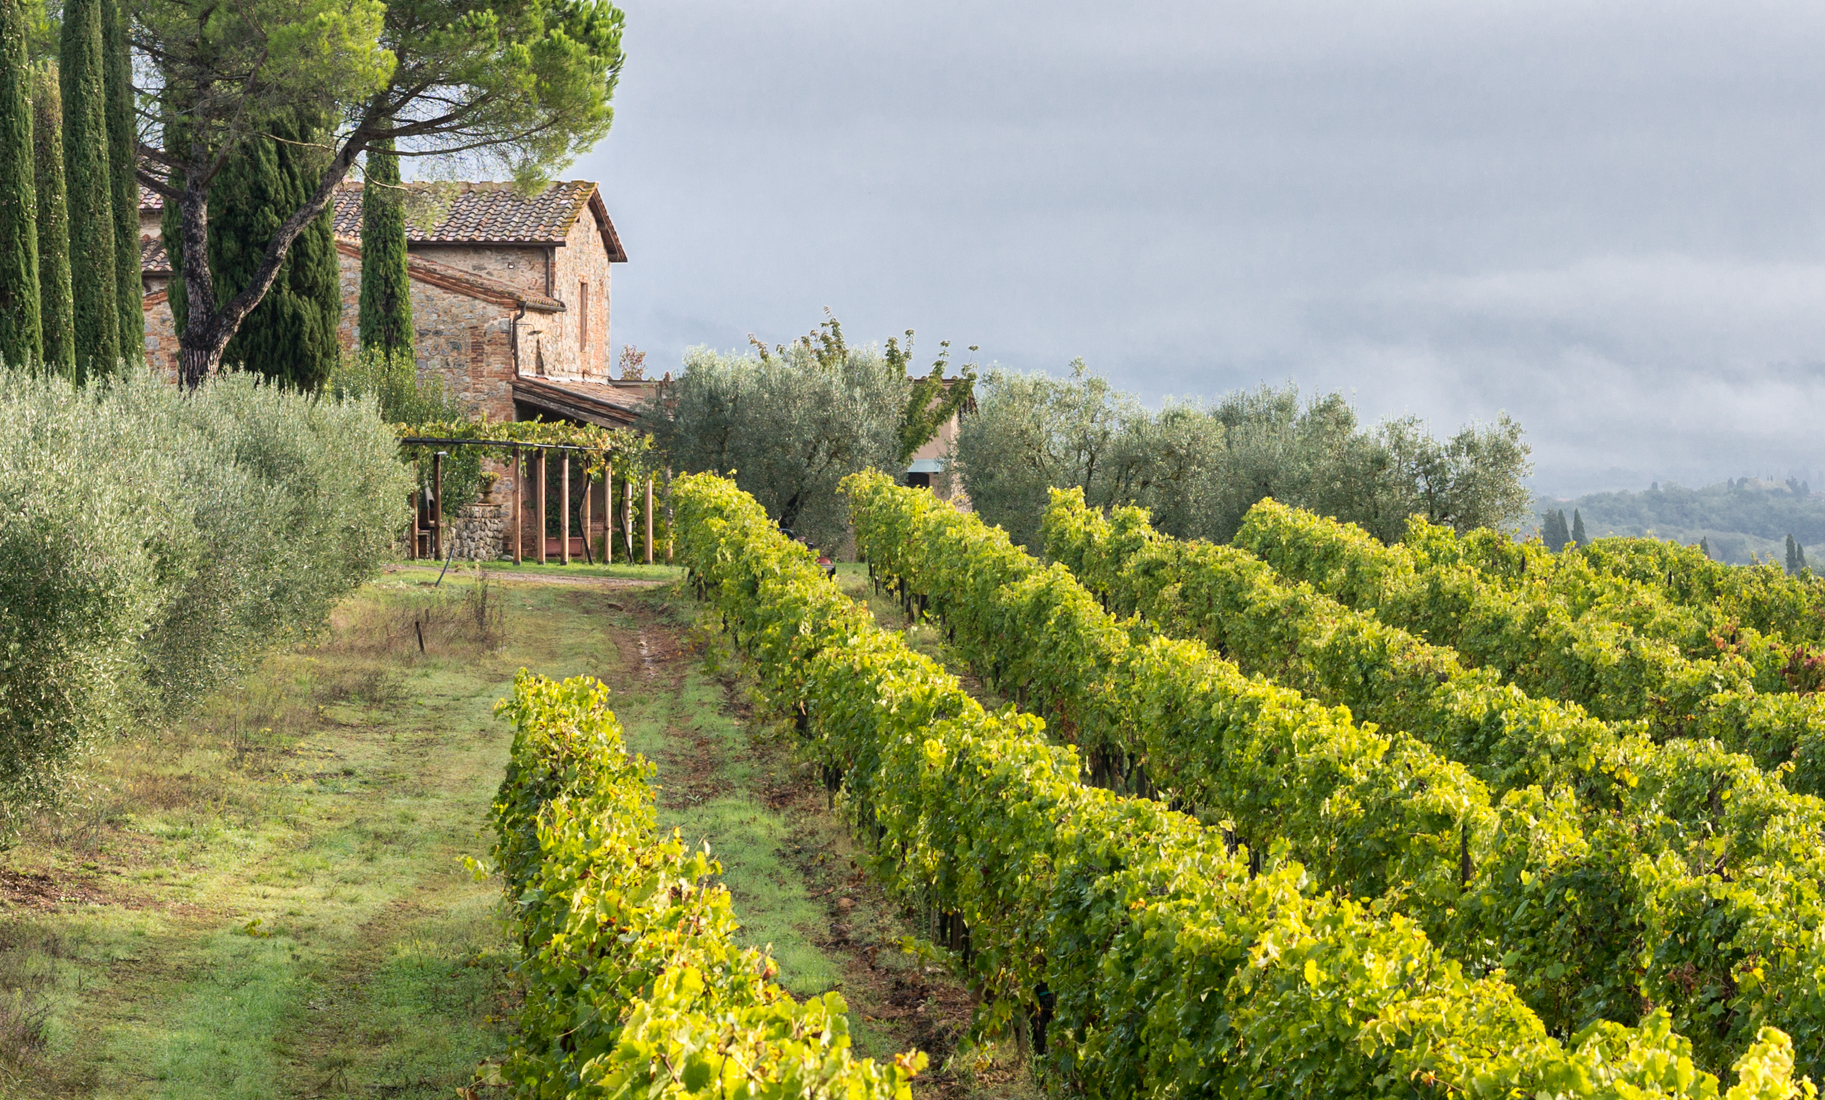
{"points": [[788, 425], [1199, 468]]}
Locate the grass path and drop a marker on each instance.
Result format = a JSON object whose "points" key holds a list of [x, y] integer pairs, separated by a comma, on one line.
{"points": [[270, 900]]}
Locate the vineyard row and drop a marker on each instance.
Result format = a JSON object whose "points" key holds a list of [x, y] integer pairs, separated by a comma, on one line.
{"points": [[634, 985], [1510, 622], [1577, 906], [1150, 958]]}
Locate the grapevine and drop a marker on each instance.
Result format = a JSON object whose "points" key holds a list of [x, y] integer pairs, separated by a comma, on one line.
{"points": [[1154, 959]]}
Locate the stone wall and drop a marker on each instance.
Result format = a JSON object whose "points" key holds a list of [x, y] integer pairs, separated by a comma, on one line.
{"points": [[465, 340]]}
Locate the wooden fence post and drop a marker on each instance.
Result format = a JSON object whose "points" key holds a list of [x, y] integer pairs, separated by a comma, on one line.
{"points": [[564, 509], [519, 499], [538, 507], [649, 519], [437, 506]]}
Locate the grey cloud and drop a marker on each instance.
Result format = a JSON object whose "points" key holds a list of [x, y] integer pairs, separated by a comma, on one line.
{"points": [[1604, 219]]}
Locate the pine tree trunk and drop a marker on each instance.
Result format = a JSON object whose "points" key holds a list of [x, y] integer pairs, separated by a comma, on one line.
{"points": [[90, 190], [386, 297], [54, 303], [21, 340], [123, 156]]}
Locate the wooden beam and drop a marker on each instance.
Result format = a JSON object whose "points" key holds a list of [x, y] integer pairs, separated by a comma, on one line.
{"points": [[538, 508], [519, 500], [627, 516], [583, 516], [608, 515], [437, 506], [564, 509], [649, 519]]}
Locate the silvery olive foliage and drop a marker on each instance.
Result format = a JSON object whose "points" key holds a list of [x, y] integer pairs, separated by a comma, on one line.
{"points": [[158, 542], [1198, 468], [788, 425]]}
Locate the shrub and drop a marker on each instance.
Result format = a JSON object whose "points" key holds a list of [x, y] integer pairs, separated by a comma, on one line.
{"points": [[158, 541]]}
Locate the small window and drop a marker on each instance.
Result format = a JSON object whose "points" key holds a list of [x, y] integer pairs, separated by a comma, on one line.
{"points": [[583, 325]]}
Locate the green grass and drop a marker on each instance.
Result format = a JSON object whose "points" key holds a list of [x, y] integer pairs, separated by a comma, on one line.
{"points": [[269, 900]]}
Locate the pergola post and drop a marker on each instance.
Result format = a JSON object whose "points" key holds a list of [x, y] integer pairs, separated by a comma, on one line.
{"points": [[649, 519], [519, 498], [538, 507], [583, 517], [564, 509], [608, 515], [627, 515], [437, 506]]}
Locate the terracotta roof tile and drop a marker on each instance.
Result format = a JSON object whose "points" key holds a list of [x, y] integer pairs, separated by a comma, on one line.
{"points": [[152, 258], [483, 213]]}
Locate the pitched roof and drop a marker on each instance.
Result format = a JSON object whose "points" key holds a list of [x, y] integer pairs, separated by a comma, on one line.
{"points": [[481, 213], [495, 213]]}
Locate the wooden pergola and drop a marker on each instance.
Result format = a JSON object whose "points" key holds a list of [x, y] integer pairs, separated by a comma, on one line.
{"points": [[538, 466]]}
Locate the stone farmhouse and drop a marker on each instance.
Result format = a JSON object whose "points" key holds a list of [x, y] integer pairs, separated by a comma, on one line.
{"points": [[510, 298]]}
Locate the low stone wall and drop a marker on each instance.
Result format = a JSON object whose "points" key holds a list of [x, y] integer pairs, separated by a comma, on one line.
{"points": [[482, 532]]}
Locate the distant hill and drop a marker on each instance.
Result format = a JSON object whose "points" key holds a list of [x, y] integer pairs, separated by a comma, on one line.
{"points": [[1736, 518]]}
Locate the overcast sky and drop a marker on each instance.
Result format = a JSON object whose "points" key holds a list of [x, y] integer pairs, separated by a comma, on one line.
{"points": [[1607, 219]]}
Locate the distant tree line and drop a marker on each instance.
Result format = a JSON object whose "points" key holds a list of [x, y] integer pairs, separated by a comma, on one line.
{"points": [[1732, 520], [792, 421], [1198, 468]]}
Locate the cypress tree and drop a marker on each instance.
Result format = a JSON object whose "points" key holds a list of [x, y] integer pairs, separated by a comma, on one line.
{"points": [[123, 158], [1552, 532], [1577, 536], [386, 296], [1793, 564], [21, 340], [54, 304], [1799, 556], [291, 335], [1704, 547], [90, 189]]}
